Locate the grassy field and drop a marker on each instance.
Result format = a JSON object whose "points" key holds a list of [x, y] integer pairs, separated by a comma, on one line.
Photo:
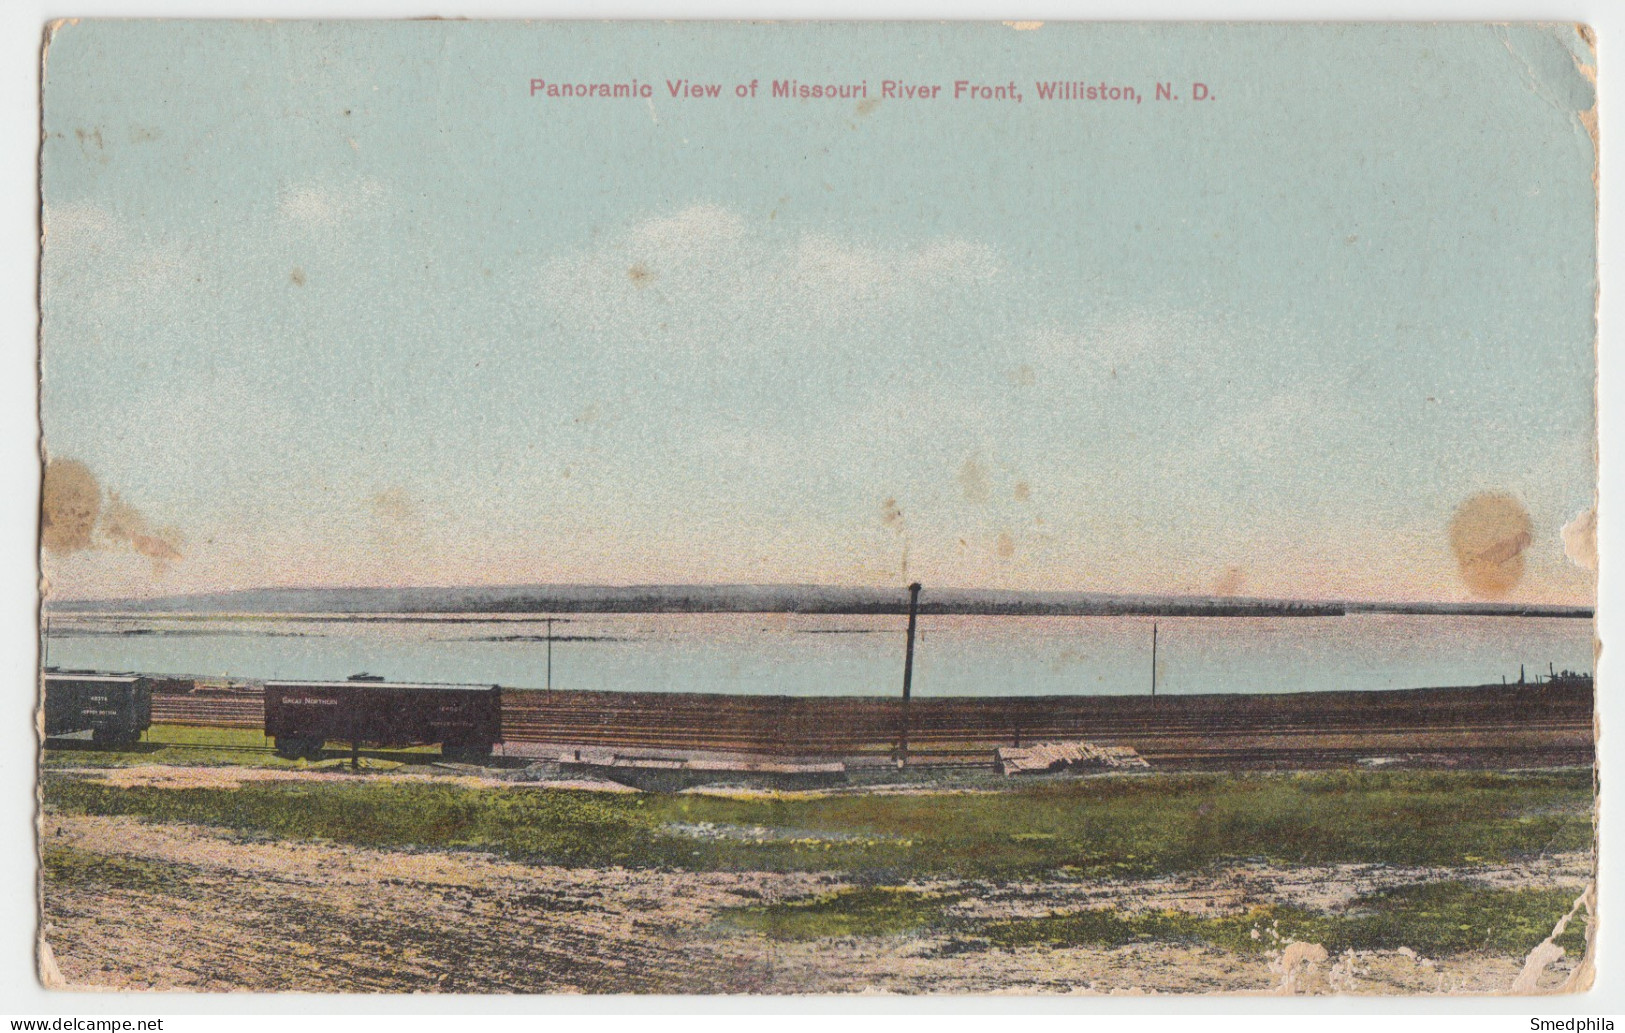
{"points": [[1128, 882], [1096, 827], [1434, 919], [194, 744]]}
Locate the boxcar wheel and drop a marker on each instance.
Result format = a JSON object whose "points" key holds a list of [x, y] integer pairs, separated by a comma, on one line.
{"points": [[292, 747], [466, 753], [107, 738]]}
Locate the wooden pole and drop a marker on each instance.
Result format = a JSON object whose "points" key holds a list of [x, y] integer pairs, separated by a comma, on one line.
{"points": [[908, 668], [1153, 658], [550, 654]]}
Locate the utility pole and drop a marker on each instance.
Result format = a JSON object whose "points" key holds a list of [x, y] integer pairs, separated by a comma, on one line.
{"points": [[550, 654], [1153, 658], [908, 668]]}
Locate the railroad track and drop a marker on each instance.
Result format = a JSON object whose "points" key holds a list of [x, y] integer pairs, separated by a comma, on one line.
{"points": [[157, 744], [1535, 724]]}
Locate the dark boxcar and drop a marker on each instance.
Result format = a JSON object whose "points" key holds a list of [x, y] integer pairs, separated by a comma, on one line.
{"points": [[114, 708], [303, 715]]}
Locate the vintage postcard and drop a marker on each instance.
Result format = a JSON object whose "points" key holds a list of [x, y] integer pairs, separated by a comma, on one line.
{"points": [[711, 508]]}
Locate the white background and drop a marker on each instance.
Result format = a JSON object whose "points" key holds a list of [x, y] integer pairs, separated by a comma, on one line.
{"points": [[21, 27]]}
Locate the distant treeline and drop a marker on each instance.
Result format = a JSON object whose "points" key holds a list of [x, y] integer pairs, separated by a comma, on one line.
{"points": [[809, 599], [991, 608]]}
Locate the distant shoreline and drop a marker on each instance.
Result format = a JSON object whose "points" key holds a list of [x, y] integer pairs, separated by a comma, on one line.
{"points": [[473, 603]]}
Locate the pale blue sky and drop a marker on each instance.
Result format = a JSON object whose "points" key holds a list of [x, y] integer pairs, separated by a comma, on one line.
{"points": [[343, 304]]}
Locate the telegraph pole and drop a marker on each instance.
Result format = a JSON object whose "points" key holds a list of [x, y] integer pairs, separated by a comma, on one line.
{"points": [[908, 668], [550, 654], [1153, 658]]}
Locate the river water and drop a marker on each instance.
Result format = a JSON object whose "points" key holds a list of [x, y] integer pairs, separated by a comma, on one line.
{"points": [[803, 655]]}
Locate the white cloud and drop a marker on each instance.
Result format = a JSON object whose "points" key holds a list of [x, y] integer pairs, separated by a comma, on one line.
{"points": [[326, 204], [120, 275], [1166, 340], [825, 264], [707, 264], [79, 227], [697, 229]]}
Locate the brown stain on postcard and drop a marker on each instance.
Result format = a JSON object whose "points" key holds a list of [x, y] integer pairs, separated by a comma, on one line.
{"points": [[1231, 582], [75, 517], [124, 525], [394, 505], [1489, 535], [70, 503], [891, 514], [1005, 546], [974, 481]]}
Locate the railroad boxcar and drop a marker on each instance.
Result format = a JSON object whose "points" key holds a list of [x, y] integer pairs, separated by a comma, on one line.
{"points": [[114, 708], [302, 716]]}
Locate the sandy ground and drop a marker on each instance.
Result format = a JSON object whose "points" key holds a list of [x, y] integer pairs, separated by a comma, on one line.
{"points": [[227, 912]]}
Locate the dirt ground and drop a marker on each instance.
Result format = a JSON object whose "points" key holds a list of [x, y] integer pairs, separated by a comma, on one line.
{"points": [[227, 912]]}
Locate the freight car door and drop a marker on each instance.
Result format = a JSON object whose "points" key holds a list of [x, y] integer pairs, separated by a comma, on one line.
{"points": [[64, 707]]}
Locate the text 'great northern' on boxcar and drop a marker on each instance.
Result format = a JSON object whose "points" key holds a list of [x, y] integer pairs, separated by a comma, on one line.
{"points": [[302, 716]]}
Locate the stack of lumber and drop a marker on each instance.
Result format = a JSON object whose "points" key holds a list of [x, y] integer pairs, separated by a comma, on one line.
{"points": [[1044, 757]]}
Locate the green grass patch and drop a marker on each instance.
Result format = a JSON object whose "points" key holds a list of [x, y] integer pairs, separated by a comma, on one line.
{"points": [[198, 735], [1453, 917], [1088, 828], [559, 827], [184, 744], [71, 866], [1433, 919], [193, 745], [864, 911], [1162, 823]]}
